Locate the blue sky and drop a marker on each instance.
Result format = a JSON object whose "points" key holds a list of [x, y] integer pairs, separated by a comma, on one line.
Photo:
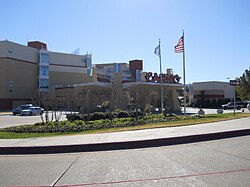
{"points": [[216, 32]]}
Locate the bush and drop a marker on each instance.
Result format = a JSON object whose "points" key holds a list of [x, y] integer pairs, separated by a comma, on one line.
{"points": [[134, 113], [96, 116], [123, 114], [172, 115], [109, 115], [73, 117]]}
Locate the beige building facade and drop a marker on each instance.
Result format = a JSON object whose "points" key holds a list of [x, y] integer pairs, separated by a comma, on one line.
{"points": [[211, 90], [24, 73]]}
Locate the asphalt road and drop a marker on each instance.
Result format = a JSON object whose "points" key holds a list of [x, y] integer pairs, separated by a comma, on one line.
{"points": [[215, 163]]}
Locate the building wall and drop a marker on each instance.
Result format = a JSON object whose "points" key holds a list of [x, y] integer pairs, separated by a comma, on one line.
{"points": [[65, 78], [105, 72], [37, 45], [18, 81], [134, 67], [17, 51], [213, 90], [67, 60]]}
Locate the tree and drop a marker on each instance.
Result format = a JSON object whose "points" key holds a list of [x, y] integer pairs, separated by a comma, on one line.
{"points": [[244, 88]]}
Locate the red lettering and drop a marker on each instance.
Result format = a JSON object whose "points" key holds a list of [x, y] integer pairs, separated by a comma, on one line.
{"points": [[156, 78], [148, 76]]}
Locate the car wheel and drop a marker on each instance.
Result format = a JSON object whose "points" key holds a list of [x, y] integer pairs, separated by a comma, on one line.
{"points": [[238, 108], [30, 114], [225, 108]]}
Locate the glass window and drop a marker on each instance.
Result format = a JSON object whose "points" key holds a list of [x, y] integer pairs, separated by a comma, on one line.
{"points": [[44, 58], [44, 71], [44, 83], [83, 60], [10, 85]]}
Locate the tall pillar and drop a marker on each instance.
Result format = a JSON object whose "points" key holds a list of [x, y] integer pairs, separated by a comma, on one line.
{"points": [[172, 99], [117, 96]]}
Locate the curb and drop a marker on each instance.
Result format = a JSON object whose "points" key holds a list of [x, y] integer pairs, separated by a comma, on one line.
{"points": [[122, 145]]}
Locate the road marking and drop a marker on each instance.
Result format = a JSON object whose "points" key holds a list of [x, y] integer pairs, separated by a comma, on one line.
{"points": [[157, 179], [54, 183]]}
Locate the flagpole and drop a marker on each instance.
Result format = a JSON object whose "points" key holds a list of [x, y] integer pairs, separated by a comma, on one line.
{"points": [[184, 75], [161, 76]]}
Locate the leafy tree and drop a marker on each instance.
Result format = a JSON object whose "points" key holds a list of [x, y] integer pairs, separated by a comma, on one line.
{"points": [[244, 88]]}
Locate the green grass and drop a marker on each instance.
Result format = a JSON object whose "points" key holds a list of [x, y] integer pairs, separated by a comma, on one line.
{"points": [[208, 119]]}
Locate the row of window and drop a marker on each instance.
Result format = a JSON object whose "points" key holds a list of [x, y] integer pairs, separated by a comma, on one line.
{"points": [[44, 71]]}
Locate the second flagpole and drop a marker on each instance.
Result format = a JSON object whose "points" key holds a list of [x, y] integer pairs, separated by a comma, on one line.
{"points": [[161, 76]]}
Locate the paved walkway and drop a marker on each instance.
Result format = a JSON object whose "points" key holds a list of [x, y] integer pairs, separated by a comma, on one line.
{"points": [[136, 137]]}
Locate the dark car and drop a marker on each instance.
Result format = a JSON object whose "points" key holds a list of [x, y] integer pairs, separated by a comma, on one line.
{"points": [[230, 105], [19, 109]]}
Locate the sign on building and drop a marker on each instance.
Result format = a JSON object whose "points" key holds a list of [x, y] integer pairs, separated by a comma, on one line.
{"points": [[234, 82]]}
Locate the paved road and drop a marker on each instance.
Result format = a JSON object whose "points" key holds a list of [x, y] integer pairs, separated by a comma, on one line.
{"points": [[214, 163], [191, 110]]}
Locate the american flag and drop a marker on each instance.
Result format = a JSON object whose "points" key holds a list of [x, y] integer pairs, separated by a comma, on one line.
{"points": [[179, 48]]}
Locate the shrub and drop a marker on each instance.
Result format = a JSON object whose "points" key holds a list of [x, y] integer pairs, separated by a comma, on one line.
{"points": [[134, 113], [96, 116], [172, 115], [73, 117], [123, 114], [109, 115]]}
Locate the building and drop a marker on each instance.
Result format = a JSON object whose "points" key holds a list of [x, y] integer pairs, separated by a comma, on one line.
{"points": [[32, 71], [211, 90], [117, 92], [130, 72], [27, 70]]}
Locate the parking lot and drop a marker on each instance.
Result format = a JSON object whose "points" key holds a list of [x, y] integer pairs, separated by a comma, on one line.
{"points": [[7, 119]]}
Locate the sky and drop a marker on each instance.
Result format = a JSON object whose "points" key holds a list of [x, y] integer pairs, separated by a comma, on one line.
{"points": [[217, 32]]}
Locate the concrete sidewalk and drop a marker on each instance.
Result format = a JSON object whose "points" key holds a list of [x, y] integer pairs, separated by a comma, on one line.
{"points": [[127, 139]]}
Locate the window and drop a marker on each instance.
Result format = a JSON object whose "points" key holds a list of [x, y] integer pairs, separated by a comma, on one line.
{"points": [[44, 58], [44, 83], [83, 60], [10, 85], [86, 61], [44, 71]]}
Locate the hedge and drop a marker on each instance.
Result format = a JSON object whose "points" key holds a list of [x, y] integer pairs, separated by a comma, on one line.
{"points": [[80, 125]]}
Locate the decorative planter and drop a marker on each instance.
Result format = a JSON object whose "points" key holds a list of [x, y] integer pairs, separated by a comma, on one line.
{"points": [[201, 112], [248, 106], [219, 111]]}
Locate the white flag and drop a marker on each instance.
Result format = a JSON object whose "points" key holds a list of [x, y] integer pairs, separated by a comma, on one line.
{"points": [[157, 50]]}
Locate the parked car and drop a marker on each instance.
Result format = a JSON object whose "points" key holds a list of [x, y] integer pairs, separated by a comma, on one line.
{"points": [[34, 110], [241, 104], [19, 109], [230, 105]]}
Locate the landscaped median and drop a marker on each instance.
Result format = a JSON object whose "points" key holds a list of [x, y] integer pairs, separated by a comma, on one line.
{"points": [[110, 123]]}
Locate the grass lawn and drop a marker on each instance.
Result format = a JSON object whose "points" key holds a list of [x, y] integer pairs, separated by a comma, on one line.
{"points": [[208, 119]]}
